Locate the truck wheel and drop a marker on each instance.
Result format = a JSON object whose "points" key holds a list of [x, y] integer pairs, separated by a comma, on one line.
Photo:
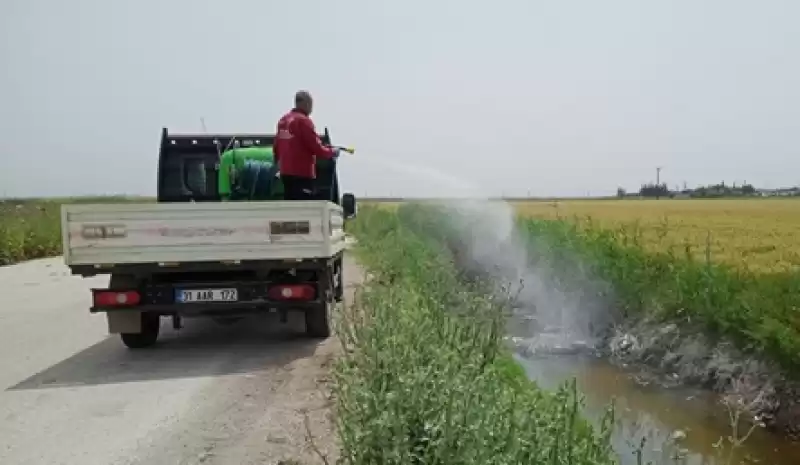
{"points": [[151, 325], [318, 321]]}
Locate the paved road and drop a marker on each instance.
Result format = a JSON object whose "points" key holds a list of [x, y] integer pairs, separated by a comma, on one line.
{"points": [[208, 394]]}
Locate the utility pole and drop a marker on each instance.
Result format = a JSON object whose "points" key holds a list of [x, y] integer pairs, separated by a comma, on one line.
{"points": [[658, 181]]}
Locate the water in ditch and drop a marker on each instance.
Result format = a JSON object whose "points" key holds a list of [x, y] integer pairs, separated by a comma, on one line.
{"points": [[679, 425]]}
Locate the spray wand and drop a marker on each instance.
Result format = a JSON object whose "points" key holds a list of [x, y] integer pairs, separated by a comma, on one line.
{"points": [[349, 150]]}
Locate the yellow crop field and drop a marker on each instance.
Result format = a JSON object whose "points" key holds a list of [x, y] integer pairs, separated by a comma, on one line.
{"points": [[757, 234]]}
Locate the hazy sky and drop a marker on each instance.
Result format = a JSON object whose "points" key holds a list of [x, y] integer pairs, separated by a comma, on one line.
{"points": [[551, 97]]}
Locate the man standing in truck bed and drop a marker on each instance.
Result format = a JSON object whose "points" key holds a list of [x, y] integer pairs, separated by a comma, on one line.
{"points": [[296, 148]]}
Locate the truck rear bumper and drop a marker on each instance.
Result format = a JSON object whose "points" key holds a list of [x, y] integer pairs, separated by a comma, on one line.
{"points": [[252, 297]]}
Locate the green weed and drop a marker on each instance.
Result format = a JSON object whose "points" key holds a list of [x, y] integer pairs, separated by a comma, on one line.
{"points": [[426, 379]]}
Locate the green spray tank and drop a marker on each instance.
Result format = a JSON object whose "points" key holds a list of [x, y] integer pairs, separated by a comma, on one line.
{"points": [[239, 169], [247, 173]]}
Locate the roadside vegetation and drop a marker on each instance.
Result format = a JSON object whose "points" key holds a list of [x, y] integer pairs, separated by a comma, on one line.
{"points": [[425, 376], [658, 273], [31, 228]]}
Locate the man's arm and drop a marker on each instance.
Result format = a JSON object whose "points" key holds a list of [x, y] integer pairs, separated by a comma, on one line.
{"points": [[308, 134]]}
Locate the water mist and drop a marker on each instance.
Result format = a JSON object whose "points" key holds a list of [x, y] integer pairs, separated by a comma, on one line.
{"points": [[559, 304]]}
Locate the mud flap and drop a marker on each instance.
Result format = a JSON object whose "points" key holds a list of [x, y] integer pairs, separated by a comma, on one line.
{"points": [[338, 280], [124, 322]]}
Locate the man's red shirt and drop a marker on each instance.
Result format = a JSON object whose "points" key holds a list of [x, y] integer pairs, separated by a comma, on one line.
{"points": [[297, 145]]}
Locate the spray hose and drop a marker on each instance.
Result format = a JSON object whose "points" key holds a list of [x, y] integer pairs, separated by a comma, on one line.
{"points": [[254, 181]]}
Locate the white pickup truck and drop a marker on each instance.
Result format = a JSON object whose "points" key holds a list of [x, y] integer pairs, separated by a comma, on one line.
{"points": [[191, 254]]}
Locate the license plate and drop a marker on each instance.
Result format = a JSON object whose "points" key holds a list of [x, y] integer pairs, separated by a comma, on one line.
{"points": [[185, 296]]}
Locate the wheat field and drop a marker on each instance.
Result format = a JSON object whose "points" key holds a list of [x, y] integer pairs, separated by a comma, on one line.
{"points": [[757, 234]]}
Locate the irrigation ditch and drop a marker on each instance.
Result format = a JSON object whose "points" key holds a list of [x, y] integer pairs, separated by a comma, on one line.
{"points": [[679, 396]]}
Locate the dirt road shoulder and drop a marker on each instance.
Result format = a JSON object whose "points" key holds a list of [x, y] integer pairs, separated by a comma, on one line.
{"points": [[256, 392]]}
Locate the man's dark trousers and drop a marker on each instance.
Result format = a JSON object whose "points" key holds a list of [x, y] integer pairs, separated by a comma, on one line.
{"points": [[298, 188]]}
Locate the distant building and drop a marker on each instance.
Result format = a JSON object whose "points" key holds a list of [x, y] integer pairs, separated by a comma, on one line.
{"points": [[780, 192]]}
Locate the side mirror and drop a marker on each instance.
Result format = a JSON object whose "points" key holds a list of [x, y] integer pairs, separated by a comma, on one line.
{"points": [[349, 205]]}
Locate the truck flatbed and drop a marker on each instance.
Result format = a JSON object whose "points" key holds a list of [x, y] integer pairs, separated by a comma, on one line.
{"points": [[171, 234]]}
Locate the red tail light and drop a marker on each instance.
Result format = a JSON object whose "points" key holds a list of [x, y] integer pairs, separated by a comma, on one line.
{"points": [[116, 298], [292, 292]]}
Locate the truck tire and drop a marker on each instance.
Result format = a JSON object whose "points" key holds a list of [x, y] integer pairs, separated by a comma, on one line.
{"points": [[318, 318], [151, 326], [318, 321]]}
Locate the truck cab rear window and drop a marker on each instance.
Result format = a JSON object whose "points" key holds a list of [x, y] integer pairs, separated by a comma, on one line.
{"points": [[190, 176]]}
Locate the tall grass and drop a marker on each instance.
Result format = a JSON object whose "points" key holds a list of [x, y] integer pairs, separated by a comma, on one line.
{"points": [[759, 311], [426, 378]]}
